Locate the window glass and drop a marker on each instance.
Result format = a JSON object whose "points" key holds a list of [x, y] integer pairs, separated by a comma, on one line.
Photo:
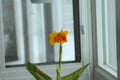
{"points": [[27, 26]]}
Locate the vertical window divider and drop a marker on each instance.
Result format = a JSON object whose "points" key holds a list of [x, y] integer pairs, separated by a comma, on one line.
{"points": [[77, 29], [25, 28]]}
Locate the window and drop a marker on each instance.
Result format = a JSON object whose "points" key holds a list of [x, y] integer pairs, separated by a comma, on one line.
{"points": [[26, 35], [22, 14], [106, 35]]}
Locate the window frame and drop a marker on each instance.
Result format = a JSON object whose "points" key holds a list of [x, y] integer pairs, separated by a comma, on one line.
{"points": [[103, 43], [99, 72], [118, 32]]}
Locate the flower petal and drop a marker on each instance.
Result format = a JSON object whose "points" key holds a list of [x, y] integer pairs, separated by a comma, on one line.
{"points": [[58, 37]]}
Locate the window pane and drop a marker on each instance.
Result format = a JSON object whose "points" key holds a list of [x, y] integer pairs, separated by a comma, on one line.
{"points": [[9, 32], [106, 34], [27, 26]]}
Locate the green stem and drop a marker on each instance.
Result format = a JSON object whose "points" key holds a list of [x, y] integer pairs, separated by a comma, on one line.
{"points": [[60, 62], [60, 56]]}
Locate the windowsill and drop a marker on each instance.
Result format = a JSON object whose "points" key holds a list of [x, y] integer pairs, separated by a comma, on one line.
{"points": [[49, 69], [109, 70]]}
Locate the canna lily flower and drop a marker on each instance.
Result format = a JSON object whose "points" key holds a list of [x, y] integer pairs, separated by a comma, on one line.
{"points": [[58, 37]]}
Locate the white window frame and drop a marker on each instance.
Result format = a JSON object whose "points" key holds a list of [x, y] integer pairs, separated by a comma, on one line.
{"points": [[101, 70], [100, 36]]}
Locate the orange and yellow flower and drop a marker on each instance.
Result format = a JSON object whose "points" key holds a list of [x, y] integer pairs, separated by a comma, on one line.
{"points": [[58, 37]]}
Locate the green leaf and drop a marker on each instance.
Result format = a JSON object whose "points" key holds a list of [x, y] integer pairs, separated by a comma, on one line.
{"points": [[36, 72], [76, 74], [37, 76]]}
